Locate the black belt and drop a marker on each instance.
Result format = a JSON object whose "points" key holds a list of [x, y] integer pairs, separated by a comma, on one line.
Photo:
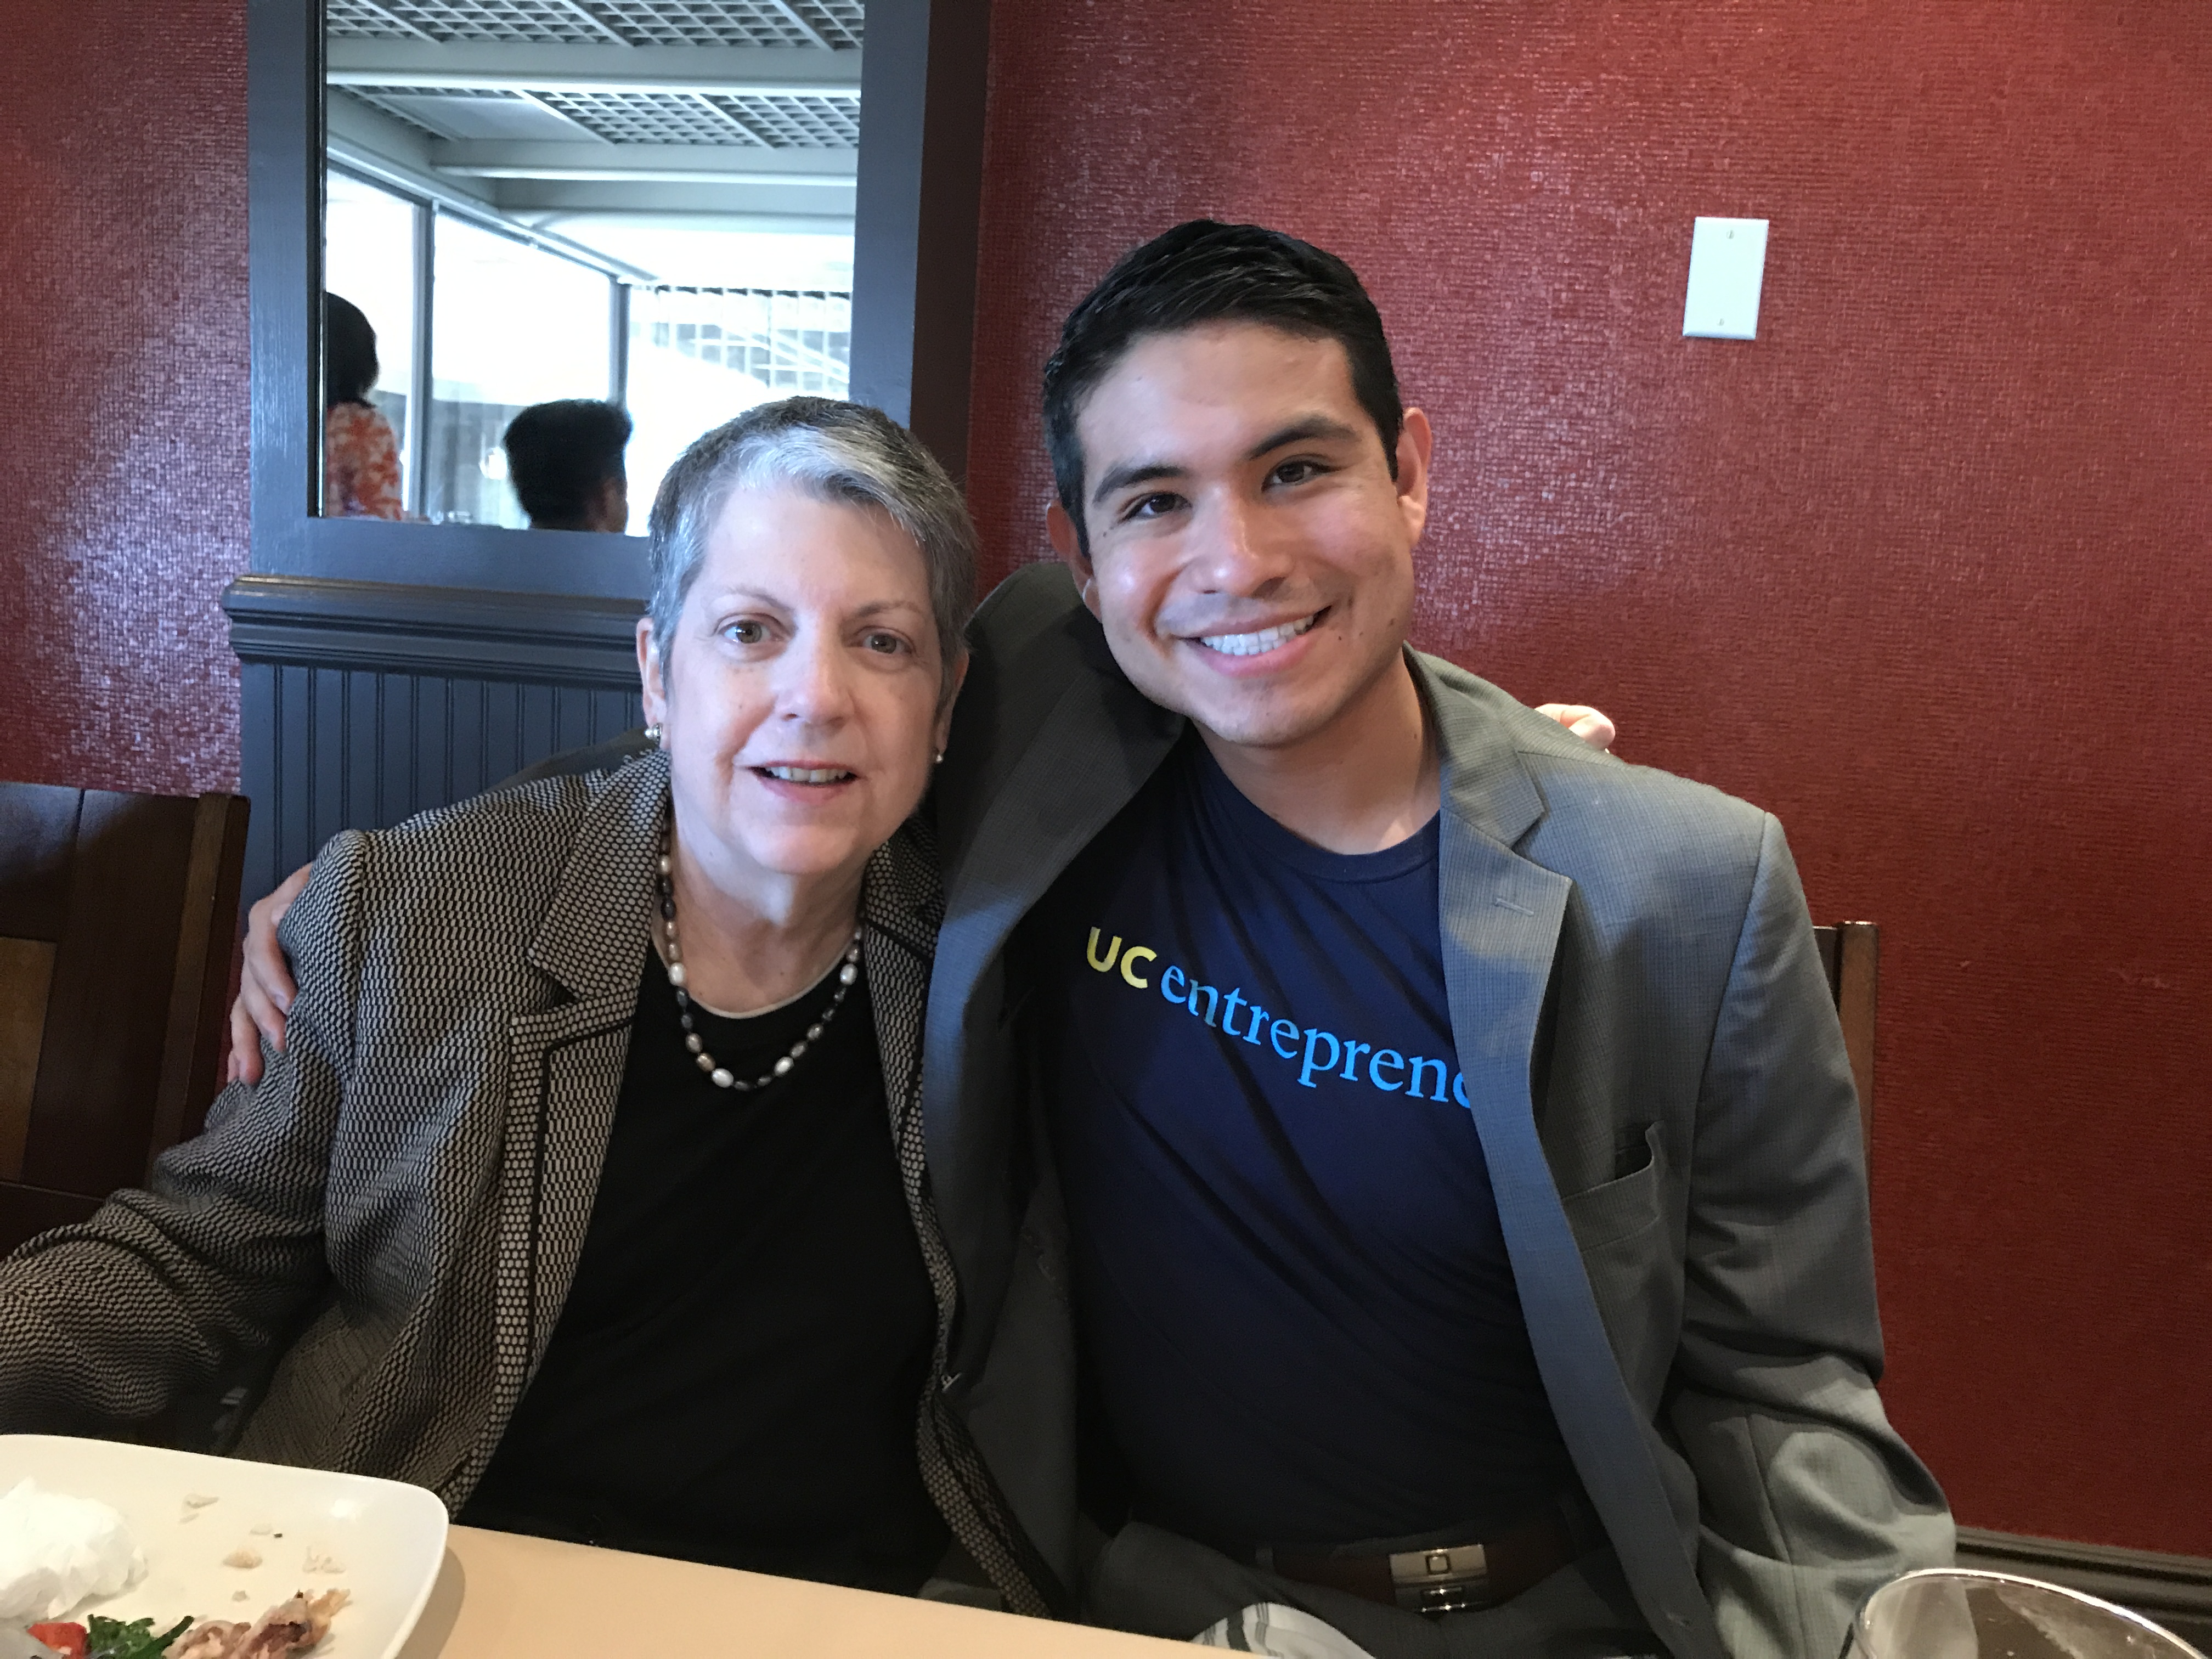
{"points": [[1445, 1579]]}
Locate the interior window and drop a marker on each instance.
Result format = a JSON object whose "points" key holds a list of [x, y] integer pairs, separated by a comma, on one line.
{"points": [[648, 201]]}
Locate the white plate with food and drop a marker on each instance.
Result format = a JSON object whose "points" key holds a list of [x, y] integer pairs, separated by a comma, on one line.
{"points": [[223, 1539]]}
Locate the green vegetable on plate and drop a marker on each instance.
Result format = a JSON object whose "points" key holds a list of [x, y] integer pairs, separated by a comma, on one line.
{"points": [[111, 1638]]}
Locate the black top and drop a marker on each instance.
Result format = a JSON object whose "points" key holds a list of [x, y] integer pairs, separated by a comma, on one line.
{"points": [[736, 1375]]}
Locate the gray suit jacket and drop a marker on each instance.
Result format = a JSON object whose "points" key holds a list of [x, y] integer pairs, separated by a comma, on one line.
{"points": [[395, 1213], [1662, 1092]]}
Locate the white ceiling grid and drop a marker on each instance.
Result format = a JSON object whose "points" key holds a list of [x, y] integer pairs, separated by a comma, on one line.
{"points": [[651, 117], [790, 123], [735, 22], [778, 121], [836, 23]]}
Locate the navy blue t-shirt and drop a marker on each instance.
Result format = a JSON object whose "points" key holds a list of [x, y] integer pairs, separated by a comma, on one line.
{"points": [[1289, 1277]]}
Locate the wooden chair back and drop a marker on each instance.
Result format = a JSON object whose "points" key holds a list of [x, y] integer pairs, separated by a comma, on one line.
{"points": [[119, 915], [1851, 952]]}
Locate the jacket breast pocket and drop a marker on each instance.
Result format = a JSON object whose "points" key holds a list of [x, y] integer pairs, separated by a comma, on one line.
{"points": [[1621, 1208], [1635, 1269]]}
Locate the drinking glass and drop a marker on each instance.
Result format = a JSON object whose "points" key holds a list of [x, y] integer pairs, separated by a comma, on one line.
{"points": [[1953, 1614]]}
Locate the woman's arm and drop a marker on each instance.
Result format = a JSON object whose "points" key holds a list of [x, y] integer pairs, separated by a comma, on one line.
{"points": [[163, 1291]]}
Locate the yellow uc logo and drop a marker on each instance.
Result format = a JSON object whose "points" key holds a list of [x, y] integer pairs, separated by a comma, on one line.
{"points": [[1130, 959]]}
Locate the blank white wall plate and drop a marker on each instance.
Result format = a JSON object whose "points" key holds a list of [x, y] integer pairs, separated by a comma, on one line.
{"points": [[1728, 262]]}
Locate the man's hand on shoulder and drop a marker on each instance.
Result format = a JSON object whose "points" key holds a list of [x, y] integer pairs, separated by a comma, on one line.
{"points": [[266, 989], [1587, 723]]}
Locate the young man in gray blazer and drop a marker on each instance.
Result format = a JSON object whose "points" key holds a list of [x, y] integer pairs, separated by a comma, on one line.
{"points": [[1464, 1187], [1433, 1136]]}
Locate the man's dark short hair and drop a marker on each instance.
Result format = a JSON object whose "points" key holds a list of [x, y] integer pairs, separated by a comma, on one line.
{"points": [[1206, 272], [559, 455]]}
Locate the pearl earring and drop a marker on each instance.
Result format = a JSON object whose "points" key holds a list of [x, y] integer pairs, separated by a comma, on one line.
{"points": [[653, 733]]}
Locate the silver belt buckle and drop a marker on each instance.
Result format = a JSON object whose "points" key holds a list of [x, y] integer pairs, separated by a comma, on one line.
{"points": [[1441, 1581]]}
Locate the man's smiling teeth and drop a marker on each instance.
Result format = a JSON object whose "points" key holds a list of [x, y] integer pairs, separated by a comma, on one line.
{"points": [[807, 773], [1252, 645]]}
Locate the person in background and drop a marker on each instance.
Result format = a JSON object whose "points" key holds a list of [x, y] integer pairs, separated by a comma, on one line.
{"points": [[565, 461], [360, 456]]}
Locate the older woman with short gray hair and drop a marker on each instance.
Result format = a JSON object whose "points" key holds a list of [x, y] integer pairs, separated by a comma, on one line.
{"points": [[588, 1188]]}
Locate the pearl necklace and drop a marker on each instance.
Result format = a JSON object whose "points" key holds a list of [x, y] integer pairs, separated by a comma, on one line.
{"points": [[848, 974]]}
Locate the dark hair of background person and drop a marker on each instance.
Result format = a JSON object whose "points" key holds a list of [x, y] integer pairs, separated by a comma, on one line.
{"points": [[559, 454], [349, 353], [1203, 271]]}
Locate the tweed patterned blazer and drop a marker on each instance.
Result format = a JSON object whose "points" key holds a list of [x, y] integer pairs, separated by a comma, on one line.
{"points": [[395, 1213]]}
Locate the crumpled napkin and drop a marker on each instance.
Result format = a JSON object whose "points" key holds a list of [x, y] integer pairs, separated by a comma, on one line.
{"points": [[57, 1551]]}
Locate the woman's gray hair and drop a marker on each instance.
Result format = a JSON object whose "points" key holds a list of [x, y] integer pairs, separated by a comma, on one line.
{"points": [[846, 453]]}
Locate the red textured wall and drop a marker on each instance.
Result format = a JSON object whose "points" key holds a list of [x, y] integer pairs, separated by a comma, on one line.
{"points": [[1924, 569], [123, 388]]}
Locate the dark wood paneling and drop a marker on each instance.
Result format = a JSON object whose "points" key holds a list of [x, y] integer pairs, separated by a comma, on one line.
{"points": [[1850, 955], [27, 975], [1828, 941], [207, 931], [1858, 984], [27, 1212], [38, 822], [110, 1035], [100, 1064]]}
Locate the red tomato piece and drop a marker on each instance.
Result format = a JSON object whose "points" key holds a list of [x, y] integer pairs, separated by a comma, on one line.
{"points": [[67, 1640]]}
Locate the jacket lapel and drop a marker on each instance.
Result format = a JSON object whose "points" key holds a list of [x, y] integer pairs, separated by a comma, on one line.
{"points": [[901, 907], [1500, 915], [564, 1072], [1091, 754]]}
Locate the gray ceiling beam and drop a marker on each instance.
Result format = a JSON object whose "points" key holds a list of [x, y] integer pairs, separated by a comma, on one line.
{"points": [[496, 66], [468, 204], [629, 174], [601, 163], [765, 207]]}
